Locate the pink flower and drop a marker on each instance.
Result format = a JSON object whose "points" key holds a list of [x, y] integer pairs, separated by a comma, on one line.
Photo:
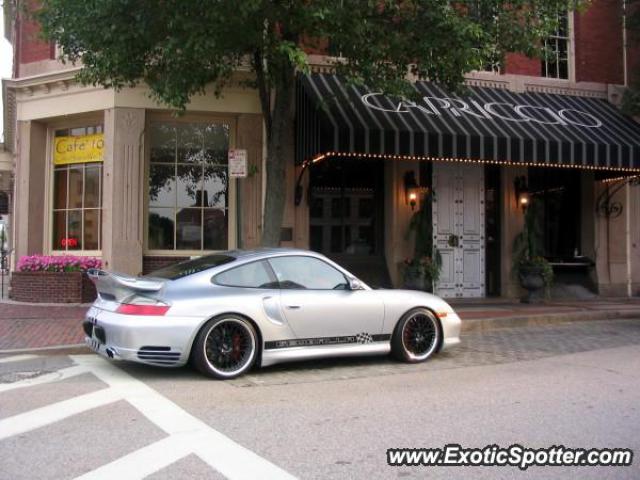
{"points": [[65, 263]]}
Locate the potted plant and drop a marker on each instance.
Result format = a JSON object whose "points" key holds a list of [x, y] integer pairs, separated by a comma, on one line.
{"points": [[533, 270], [423, 270], [53, 279], [421, 273]]}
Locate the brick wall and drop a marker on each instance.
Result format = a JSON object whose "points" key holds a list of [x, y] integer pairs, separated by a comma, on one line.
{"points": [[29, 46], [151, 263], [633, 48], [598, 43], [52, 287], [520, 64]]}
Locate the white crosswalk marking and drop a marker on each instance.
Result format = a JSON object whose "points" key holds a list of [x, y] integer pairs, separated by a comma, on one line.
{"points": [[143, 462], [17, 358], [43, 416], [187, 434], [220, 452], [46, 378]]}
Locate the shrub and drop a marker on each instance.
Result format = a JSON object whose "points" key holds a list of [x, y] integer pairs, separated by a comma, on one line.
{"points": [[57, 263]]}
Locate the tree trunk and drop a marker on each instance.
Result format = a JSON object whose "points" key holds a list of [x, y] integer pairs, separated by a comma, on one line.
{"points": [[280, 151]]}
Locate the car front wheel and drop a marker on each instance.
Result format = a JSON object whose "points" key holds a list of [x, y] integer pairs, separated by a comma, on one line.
{"points": [[416, 337], [225, 347]]}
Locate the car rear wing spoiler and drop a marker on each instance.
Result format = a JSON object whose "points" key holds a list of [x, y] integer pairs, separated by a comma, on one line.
{"points": [[120, 287]]}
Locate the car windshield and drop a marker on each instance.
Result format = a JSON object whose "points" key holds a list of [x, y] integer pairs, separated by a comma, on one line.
{"points": [[189, 267]]}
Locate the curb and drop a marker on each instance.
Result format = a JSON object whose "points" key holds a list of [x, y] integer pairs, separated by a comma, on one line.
{"points": [[468, 326], [54, 349], [483, 324]]}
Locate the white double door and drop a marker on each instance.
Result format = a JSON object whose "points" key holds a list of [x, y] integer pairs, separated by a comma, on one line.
{"points": [[458, 228]]}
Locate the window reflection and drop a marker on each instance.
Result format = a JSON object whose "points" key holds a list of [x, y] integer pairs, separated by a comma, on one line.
{"points": [[215, 187], [161, 226], [188, 175], [91, 229], [215, 229], [189, 185], [77, 200], [189, 229], [162, 186]]}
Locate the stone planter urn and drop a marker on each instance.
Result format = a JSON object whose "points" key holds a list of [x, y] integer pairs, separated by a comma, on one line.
{"points": [[415, 279], [532, 280]]}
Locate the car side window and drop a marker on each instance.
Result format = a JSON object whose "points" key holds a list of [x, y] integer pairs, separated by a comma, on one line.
{"points": [[297, 272], [250, 275]]}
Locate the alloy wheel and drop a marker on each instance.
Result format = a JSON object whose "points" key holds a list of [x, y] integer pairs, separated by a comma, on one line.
{"points": [[229, 347]]}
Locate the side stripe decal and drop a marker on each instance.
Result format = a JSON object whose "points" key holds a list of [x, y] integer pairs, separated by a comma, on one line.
{"points": [[361, 338]]}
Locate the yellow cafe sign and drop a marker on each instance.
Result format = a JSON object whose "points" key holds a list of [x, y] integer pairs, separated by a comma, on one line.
{"points": [[80, 149]]}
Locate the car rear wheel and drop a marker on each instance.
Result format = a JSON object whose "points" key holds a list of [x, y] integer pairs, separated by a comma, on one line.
{"points": [[225, 347], [416, 337]]}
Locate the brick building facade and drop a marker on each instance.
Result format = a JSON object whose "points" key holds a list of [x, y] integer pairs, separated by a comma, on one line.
{"points": [[134, 226]]}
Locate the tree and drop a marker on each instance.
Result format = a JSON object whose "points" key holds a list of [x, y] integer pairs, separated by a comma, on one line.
{"points": [[178, 47], [631, 98]]}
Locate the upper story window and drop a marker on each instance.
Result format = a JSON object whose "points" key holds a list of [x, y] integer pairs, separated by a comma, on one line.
{"points": [[77, 188], [188, 186], [555, 63]]}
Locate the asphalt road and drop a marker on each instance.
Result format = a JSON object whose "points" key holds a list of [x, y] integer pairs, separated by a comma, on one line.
{"points": [[577, 385]]}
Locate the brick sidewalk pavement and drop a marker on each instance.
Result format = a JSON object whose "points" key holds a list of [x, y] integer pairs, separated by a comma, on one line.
{"points": [[39, 326], [24, 327]]}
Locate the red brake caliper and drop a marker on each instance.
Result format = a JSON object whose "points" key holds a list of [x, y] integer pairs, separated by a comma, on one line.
{"points": [[236, 347]]}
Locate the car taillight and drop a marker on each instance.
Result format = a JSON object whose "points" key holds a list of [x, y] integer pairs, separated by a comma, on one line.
{"points": [[132, 309]]}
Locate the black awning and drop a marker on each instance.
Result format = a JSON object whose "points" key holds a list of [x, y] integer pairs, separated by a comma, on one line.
{"points": [[486, 124]]}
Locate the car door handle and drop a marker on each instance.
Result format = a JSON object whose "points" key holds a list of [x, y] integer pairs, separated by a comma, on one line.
{"points": [[293, 307]]}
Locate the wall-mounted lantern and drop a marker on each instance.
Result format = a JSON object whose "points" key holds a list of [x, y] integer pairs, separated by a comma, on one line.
{"points": [[522, 192], [411, 189]]}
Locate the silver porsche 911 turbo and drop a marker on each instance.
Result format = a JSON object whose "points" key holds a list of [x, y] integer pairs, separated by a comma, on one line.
{"points": [[229, 311]]}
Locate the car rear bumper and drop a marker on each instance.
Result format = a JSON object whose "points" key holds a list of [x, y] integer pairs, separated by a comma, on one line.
{"points": [[163, 341]]}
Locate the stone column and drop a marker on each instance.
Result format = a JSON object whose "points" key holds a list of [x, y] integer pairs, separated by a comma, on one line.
{"points": [[249, 137], [511, 224], [123, 190], [635, 239], [611, 246], [588, 221], [30, 183]]}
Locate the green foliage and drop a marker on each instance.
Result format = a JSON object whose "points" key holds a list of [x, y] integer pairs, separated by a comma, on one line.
{"points": [[427, 267], [540, 264], [427, 260], [421, 226], [631, 98], [178, 47], [527, 246]]}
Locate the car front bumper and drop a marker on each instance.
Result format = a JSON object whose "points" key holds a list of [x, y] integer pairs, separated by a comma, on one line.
{"points": [[451, 326], [164, 341]]}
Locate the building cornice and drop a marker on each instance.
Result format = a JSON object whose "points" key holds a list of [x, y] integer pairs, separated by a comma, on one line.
{"points": [[36, 81], [514, 83]]}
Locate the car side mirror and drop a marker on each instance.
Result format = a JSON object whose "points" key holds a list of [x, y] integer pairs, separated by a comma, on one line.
{"points": [[355, 284]]}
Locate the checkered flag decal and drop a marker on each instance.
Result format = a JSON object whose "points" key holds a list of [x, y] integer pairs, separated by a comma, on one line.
{"points": [[364, 338]]}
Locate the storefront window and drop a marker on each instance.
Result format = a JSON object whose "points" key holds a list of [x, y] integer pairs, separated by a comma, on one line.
{"points": [[188, 186], [77, 188], [555, 63]]}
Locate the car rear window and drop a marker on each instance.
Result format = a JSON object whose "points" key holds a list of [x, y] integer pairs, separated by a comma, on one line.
{"points": [[190, 267], [249, 275]]}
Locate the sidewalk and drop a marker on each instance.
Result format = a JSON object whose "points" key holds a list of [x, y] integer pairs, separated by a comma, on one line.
{"points": [[28, 326], [58, 327], [489, 313]]}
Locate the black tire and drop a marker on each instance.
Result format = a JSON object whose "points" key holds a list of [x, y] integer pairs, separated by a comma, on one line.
{"points": [[225, 347], [417, 336]]}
